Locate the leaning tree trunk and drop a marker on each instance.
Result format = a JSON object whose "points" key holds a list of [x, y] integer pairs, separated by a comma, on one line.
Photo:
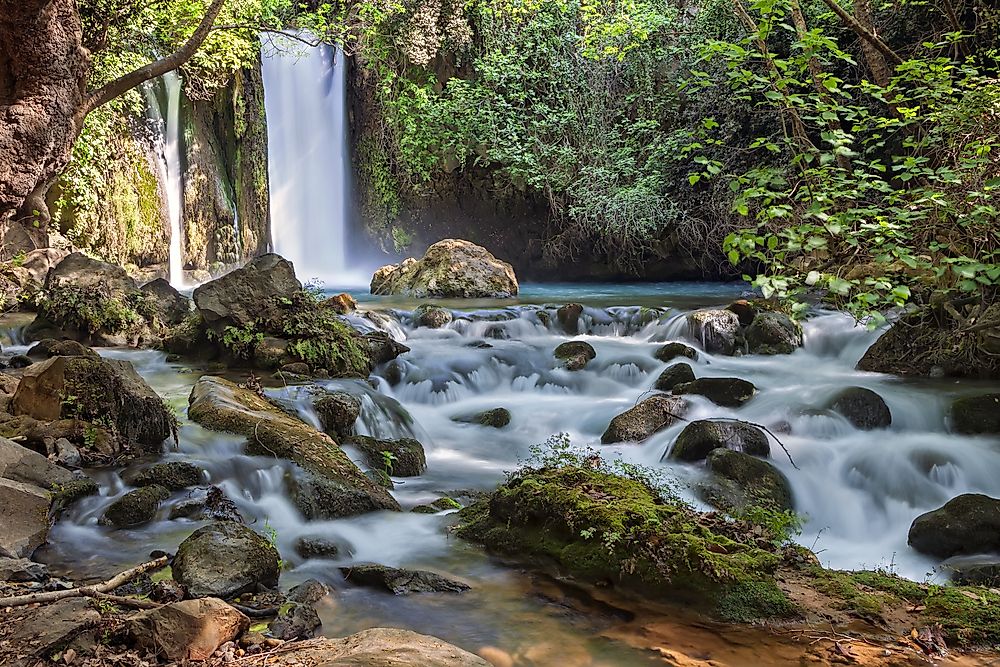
{"points": [[43, 75]]}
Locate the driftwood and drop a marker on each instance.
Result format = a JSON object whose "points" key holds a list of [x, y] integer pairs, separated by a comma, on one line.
{"points": [[99, 591]]}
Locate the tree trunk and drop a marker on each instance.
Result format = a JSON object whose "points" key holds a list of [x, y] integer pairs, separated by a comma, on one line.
{"points": [[43, 74], [876, 61]]}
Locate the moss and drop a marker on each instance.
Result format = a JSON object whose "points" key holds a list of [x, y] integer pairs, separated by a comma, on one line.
{"points": [[96, 309], [65, 495], [750, 601]]}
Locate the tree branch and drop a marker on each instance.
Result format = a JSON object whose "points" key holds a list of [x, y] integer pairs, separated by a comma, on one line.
{"points": [[85, 591], [864, 33], [127, 82]]}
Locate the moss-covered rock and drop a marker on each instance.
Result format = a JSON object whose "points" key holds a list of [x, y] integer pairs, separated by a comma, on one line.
{"points": [[727, 392], [135, 507], [337, 412], [773, 333], [653, 414], [966, 524], [495, 418], [432, 317], [671, 351], [674, 375], [401, 458], [225, 559], [221, 405], [450, 268], [862, 407], [174, 475], [440, 505], [975, 415], [700, 438], [575, 354], [744, 481]]}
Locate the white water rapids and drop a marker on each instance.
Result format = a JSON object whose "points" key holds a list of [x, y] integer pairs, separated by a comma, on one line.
{"points": [[858, 490]]}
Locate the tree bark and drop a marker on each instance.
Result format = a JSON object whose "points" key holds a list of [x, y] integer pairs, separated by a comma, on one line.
{"points": [[874, 58]]}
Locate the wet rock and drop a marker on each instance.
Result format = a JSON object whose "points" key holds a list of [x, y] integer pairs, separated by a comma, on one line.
{"points": [[575, 354], [746, 481], [495, 418], [297, 368], [67, 454], [862, 407], [316, 546], [337, 412], [671, 351], [745, 311], [67, 494], [966, 524], [20, 570], [237, 298], [569, 317], [187, 630], [51, 347], [174, 475], [207, 503], [773, 333], [718, 331], [653, 414], [221, 405], [976, 415], [225, 559], [106, 390], [19, 361], [166, 591], [168, 306], [673, 376], [401, 582], [135, 507], [320, 497], [407, 455], [378, 647], [298, 619], [382, 347], [20, 464], [451, 268], [439, 505], [979, 570], [432, 317], [727, 392], [44, 630], [342, 303], [24, 518], [700, 438]]}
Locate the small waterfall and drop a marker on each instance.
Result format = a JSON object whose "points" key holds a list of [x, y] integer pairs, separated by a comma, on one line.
{"points": [[305, 96], [167, 115]]}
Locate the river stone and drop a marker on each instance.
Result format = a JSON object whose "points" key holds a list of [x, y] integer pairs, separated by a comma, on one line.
{"points": [[225, 559], [377, 647], [495, 418], [21, 570], [673, 376], [105, 390], [206, 503], [20, 464], [966, 524], [24, 518], [169, 306], [237, 298], [744, 481], [401, 582], [727, 392], [298, 618], [575, 354], [319, 497], [432, 317], [341, 304], [50, 347], [976, 570], [718, 331], [409, 456], [174, 475], [40, 632], [653, 414], [975, 415], [451, 268], [671, 351], [190, 630], [382, 348], [745, 311], [773, 333], [221, 405], [337, 412], [317, 546], [700, 438], [569, 317], [862, 407], [135, 507]]}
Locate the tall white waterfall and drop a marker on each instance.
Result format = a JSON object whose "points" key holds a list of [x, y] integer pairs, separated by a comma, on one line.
{"points": [[305, 96], [167, 114]]}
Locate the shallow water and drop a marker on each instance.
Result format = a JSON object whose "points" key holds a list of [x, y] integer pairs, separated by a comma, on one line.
{"points": [[858, 491]]}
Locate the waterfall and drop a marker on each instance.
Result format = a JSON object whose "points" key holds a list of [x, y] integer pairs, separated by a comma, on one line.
{"points": [[305, 96], [167, 116]]}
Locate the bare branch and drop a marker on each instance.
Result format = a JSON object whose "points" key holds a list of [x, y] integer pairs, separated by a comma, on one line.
{"points": [[84, 591], [864, 33]]}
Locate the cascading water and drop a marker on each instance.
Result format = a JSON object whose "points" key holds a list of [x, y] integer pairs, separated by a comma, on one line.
{"points": [[305, 96], [167, 115]]}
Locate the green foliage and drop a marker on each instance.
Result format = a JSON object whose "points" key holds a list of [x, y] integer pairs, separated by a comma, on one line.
{"points": [[242, 341], [95, 308], [388, 458]]}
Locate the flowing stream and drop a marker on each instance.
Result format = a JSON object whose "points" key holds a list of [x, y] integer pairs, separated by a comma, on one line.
{"points": [[163, 103], [858, 490]]}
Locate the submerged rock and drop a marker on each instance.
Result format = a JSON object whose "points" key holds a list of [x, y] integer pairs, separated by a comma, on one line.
{"points": [[225, 559], [174, 475], [495, 418], [700, 438], [206, 503], [966, 524], [653, 414], [727, 392], [671, 351], [401, 582], [773, 333], [135, 507], [298, 618], [337, 412], [673, 376], [451, 268], [862, 407], [745, 481], [718, 331], [432, 317], [190, 630], [401, 458], [575, 354], [976, 415], [317, 546]]}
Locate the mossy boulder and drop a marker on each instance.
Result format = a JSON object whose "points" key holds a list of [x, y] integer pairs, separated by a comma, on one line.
{"points": [[862, 407], [225, 559], [451, 268], [440, 505], [651, 415], [966, 524], [495, 418], [744, 481], [569, 317], [727, 392], [604, 528], [337, 412], [671, 351], [174, 475], [95, 390], [575, 354], [976, 415], [773, 333], [432, 317], [135, 507], [406, 454], [701, 438], [674, 375], [718, 331], [50, 347], [221, 405]]}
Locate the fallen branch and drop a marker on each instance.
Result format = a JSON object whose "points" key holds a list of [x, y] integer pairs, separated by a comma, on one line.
{"points": [[123, 601], [94, 591]]}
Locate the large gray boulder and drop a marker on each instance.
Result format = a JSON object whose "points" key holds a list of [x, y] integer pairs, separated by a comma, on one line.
{"points": [[450, 268], [406, 455], [237, 298], [653, 414], [24, 509], [966, 524], [862, 407], [225, 559], [718, 331], [167, 304], [701, 438]]}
